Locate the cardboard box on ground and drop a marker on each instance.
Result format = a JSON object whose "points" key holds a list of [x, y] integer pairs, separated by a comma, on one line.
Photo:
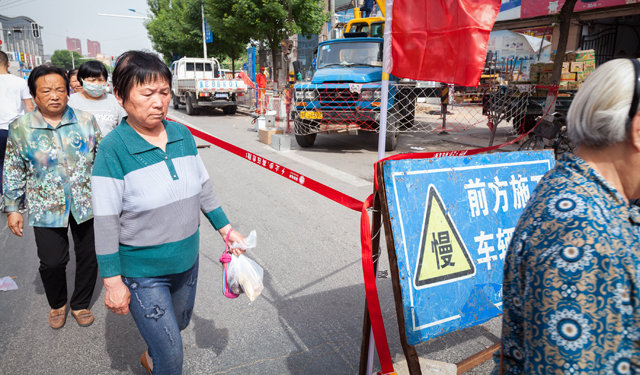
{"points": [[265, 134]]}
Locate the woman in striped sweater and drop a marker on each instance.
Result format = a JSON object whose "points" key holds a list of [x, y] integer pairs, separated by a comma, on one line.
{"points": [[149, 186]]}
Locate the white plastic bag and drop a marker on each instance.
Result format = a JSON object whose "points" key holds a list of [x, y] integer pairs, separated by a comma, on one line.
{"points": [[245, 275], [251, 241], [7, 283]]}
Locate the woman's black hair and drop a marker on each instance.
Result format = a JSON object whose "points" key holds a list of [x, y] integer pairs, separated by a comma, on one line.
{"points": [[137, 68], [72, 73], [92, 69], [45, 70]]}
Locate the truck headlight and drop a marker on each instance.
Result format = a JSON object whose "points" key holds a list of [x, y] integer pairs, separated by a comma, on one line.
{"points": [[299, 94], [377, 95], [310, 95], [367, 95]]}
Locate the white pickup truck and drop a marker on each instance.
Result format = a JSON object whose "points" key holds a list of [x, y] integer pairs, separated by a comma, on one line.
{"points": [[199, 82]]}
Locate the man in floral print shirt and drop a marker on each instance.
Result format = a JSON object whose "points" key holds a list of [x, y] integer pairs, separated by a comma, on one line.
{"points": [[572, 272], [49, 157]]}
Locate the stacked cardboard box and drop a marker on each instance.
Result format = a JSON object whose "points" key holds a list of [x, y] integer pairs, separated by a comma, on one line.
{"points": [[583, 63], [577, 66]]}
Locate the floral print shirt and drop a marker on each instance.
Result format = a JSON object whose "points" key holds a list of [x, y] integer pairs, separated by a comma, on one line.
{"points": [[53, 166], [572, 279]]}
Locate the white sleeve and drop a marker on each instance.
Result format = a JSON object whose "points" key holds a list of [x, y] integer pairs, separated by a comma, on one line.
{"points": [[24, 92]]}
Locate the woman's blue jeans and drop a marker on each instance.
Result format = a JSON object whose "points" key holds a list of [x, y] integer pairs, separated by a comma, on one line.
{"points": [[162, 307]]}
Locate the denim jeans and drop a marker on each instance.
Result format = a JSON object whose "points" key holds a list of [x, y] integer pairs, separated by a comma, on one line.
{"points": [[4, 134], [162, 307]]}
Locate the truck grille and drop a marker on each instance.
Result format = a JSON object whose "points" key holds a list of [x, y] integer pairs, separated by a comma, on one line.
{"points": [[338, 98]]}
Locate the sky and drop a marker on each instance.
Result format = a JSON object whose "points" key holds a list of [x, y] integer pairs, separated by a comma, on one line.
{"points": [[79, 19]]}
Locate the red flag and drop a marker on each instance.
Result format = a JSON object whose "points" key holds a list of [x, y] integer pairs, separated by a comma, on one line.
{"points": [[439, 40], [246, 79]]}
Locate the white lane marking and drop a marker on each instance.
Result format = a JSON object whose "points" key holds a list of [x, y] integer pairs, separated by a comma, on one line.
{"points": [[340, 175]]}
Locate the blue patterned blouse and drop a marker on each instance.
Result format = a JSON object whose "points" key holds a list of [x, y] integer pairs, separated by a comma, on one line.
{"points": [[53, 165], [572, 279]]}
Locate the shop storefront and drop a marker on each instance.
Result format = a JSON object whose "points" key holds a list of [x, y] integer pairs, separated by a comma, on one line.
{"points": [[610, 27]]}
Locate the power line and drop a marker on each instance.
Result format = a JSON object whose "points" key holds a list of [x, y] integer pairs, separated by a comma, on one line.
{"points": [[16, 5], [9, 3]]}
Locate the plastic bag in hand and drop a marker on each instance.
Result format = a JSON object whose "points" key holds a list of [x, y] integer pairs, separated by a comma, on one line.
{"points": [[251, 242], [245, 275]]}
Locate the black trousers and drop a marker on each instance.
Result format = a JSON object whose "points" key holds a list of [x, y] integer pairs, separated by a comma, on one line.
{"points": [[53, 251]]}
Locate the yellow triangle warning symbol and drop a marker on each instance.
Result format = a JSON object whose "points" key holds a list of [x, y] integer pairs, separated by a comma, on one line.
{"points": [[443, 257]]}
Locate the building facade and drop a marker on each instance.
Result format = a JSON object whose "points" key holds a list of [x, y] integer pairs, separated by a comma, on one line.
{"points": [[93, 47], [74, 44], [610, 27], [21, 42]]}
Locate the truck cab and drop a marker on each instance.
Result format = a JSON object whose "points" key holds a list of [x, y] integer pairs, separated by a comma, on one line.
{"points": [[373, 27], [345, 93]]}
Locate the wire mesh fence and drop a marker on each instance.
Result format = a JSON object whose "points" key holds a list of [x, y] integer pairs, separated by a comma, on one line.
{"points": [[411, 107]]}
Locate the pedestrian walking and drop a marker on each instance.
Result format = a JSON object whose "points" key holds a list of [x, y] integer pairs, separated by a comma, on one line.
{"points": [[49, 157], [14, 99], [572, 272], [94, 99], [73, 81], [149, 186]]}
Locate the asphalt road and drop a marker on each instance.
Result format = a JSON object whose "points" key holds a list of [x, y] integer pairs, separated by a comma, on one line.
{"points": [[308, 319]]}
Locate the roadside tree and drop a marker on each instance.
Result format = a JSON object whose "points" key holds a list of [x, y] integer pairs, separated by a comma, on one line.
{"points": [[269, 21], [62, 58], [175, 28]]}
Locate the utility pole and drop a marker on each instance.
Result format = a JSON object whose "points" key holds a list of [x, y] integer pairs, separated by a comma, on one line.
{"points": [[204, 36], [333, 16], [73, 61]]}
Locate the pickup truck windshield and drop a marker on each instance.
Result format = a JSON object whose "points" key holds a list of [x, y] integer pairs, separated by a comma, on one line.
{"points": [[350, 53]]}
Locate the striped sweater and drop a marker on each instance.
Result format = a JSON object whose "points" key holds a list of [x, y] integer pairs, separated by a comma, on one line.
{"points": [[146, 203]]}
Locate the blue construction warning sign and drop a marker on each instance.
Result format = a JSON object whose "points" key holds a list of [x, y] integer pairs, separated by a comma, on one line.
{"points": [[452, 220]]}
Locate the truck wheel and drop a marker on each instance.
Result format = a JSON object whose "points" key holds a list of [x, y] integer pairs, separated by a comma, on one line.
{"points": [[392, 135], [303, 140], [176, 101], [191, 110], [229, 110], [408, 110]]}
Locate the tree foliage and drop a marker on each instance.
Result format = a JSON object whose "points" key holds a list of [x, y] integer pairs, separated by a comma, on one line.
{"points": [[230, 36], [269, 21], [62, 58], [175, 27]]}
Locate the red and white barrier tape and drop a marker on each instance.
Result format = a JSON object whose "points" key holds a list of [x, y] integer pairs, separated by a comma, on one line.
{"points": [[278, 169]]}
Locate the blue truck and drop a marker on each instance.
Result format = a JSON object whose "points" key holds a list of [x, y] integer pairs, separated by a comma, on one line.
{"points": [[345, 93]]}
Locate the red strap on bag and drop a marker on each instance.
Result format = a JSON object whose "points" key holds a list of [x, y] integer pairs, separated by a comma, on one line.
{"points": [[225, 258]]}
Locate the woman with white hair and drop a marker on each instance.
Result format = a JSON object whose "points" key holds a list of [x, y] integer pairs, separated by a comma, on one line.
{"points": [[572, 271]]}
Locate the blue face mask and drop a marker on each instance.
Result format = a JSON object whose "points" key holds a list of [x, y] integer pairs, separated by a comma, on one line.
{"points": [[95, 90]]}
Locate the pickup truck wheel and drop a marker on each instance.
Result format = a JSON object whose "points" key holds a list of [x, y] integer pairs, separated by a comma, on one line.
{"points": [[233, 110], [303, 140], [191, 111], [176, 102]]}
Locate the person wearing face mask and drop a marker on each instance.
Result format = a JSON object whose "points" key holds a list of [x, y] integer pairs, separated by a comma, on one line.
{"points": [[92, 75]]}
